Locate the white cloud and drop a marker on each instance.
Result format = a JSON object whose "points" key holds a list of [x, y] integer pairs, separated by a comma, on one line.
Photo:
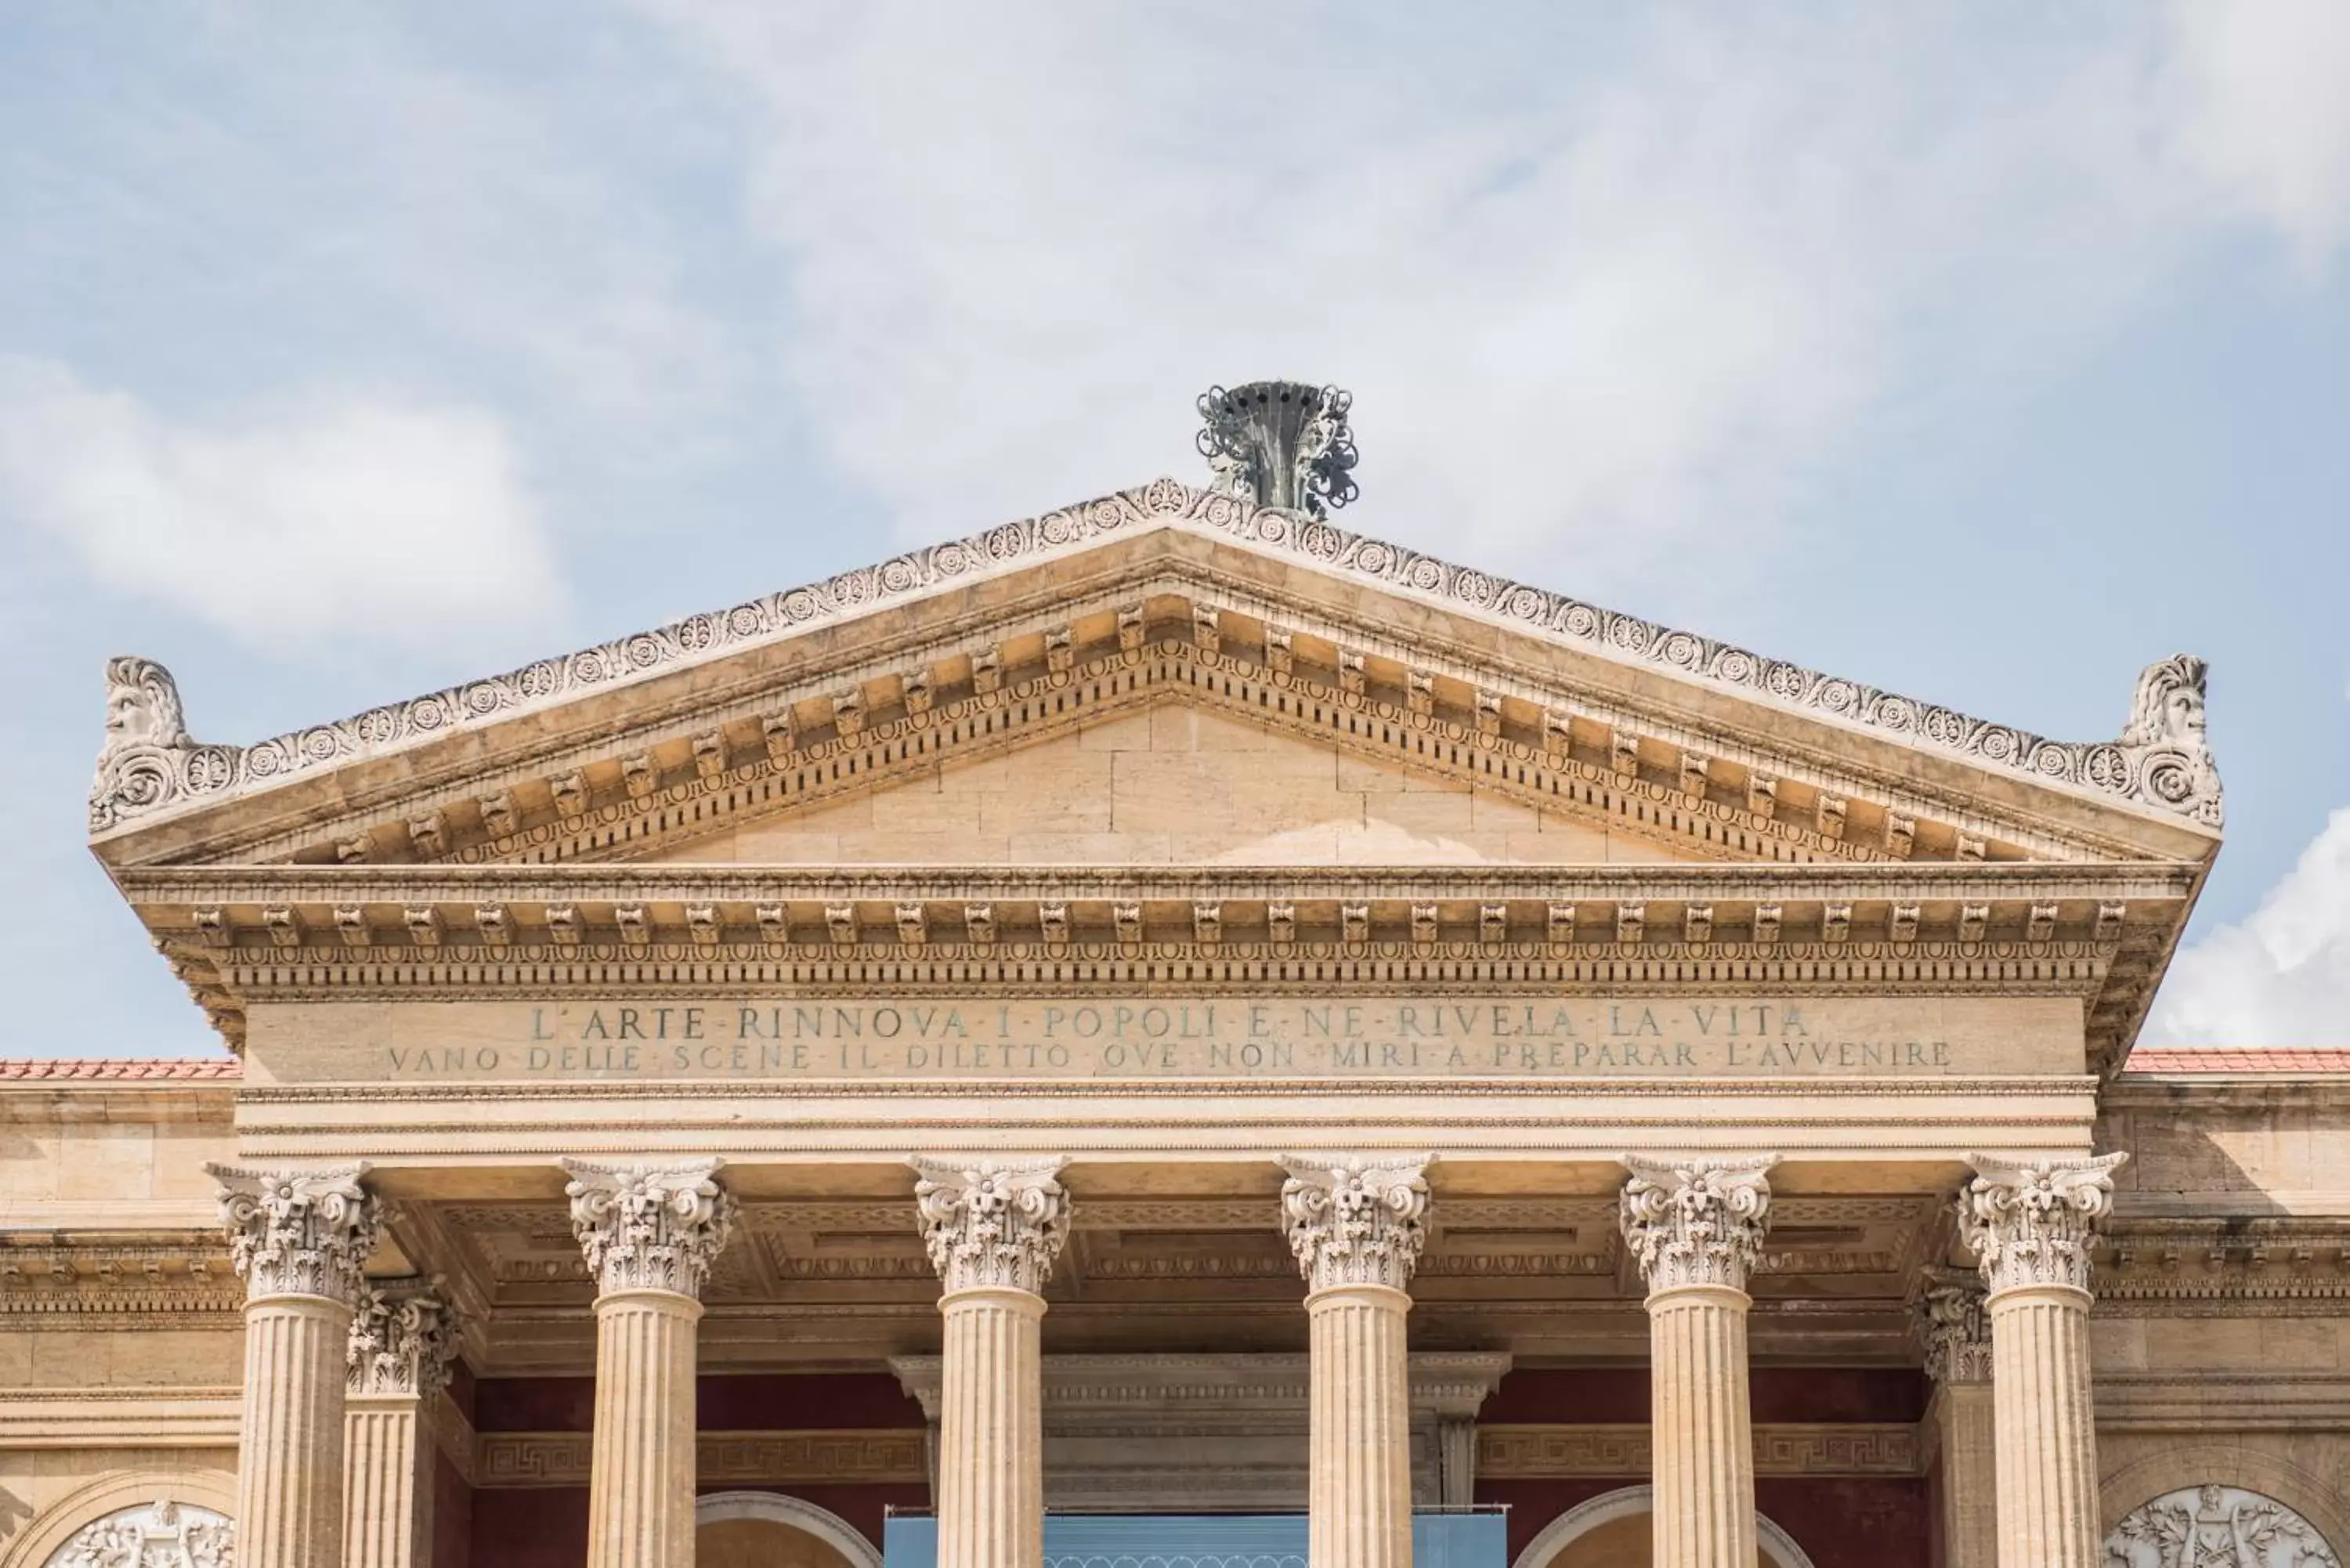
{"points": [[347, 515], [2263, 99], [2281, 976], [1607, 280]]}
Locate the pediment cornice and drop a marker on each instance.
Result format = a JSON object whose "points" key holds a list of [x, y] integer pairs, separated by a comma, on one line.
{"points": [[810, 675]]}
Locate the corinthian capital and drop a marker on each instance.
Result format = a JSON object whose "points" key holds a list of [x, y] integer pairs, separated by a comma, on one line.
{"points": [[650, 1227], [991, 1227], [1356, 1222], [297, 1232], [1954, 1327], [403, 1338], [1697, 1221], [2029, 1223]]}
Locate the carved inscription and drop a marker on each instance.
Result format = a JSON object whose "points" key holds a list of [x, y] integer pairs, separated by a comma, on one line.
{"points": [[1337, 1040]]}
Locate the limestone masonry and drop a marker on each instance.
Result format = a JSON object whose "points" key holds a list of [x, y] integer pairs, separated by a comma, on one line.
{"points": [[1143, 1021]]}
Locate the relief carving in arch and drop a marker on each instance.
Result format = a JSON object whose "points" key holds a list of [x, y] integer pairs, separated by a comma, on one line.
{"points": [[159, 1534], [2213, 1526]]}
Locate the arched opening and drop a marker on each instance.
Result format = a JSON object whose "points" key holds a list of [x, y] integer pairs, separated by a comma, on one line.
{"points": [[1612, 1530], [768, 1530]]}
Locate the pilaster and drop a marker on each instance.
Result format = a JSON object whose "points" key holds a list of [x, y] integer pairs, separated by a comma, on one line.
{"points": [[403, 1340], [1954, 1326], [2030, 1227], [993, 1233], [649, 1235], [1696, 1227], [301, 1240], [1357, 1228]]}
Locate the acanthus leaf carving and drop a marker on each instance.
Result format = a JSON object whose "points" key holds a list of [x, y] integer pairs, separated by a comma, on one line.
{"points": [[989, 1226], [2029, 1223], [298, 1231], [1695, 1221], [645, 1227], [1356, 1221], [403, 1339], [1953, 1326]]}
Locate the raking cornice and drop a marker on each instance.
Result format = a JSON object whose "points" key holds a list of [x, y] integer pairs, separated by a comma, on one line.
{"points": [[151, 768]]}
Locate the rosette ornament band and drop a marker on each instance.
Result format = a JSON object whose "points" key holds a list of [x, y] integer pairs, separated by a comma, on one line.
{"points": [[2030, 1223], [403, 1339], [645, 1227], [1953, 1324], [989, 1226], [298, 1232], [1696, 1222], [1356, 1221]]}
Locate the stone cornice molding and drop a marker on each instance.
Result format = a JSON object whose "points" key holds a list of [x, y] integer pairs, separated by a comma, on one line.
{"points": [[1695, 1221], [403, 1339], [650, 1227], [1356, 1221], [298, 1231], [2028, 1222], [989, 1226], [1954, 1326], [150, 764]]}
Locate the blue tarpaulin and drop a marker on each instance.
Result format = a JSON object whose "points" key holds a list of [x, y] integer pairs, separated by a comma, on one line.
{"points": [[1447, 1540]]}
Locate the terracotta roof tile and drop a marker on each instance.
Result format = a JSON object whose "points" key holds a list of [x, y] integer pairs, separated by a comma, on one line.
{"points": [[2213, 1059], [92, 1069]]}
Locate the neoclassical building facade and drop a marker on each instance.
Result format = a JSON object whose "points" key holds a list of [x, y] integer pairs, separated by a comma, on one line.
{"points": [[1167, 1030]]}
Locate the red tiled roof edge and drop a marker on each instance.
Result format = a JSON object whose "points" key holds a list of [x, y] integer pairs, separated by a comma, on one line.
{"points": [[197, 1069], [2282, 1059]]}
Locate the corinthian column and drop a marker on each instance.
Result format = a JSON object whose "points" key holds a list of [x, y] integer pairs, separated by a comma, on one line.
{"points": [[401, 1343], [1357, 1228], [1954, 1326], [650, 1236], [994, 1233], [1696, 1226], [2028, 1225], [301, 1238]]}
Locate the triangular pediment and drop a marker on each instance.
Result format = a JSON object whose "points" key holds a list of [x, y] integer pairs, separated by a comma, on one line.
{"points": [[1176, 784], [792, 707]]}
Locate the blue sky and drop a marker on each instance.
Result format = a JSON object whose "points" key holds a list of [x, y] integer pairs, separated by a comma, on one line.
{"points": [[1986, 351]]}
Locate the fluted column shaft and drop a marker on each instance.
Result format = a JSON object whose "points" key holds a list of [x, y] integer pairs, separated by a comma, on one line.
{"points": [[992, 1430], [403, 1340], [2047, 1458], [1954, 1325], [289, 1479], [642, 1469], [2030, 1226], [1696, 1227], [1357, 1228], [992, 1233], [388, 1482], [650, 1236], [1360, 1451], [1703, 1427], [301, 1239]]}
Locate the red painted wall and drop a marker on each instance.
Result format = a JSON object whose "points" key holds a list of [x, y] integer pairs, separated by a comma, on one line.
{"points": [[546, 1527], [1877, 1523], [1781, 1393], [758, 1402]]}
